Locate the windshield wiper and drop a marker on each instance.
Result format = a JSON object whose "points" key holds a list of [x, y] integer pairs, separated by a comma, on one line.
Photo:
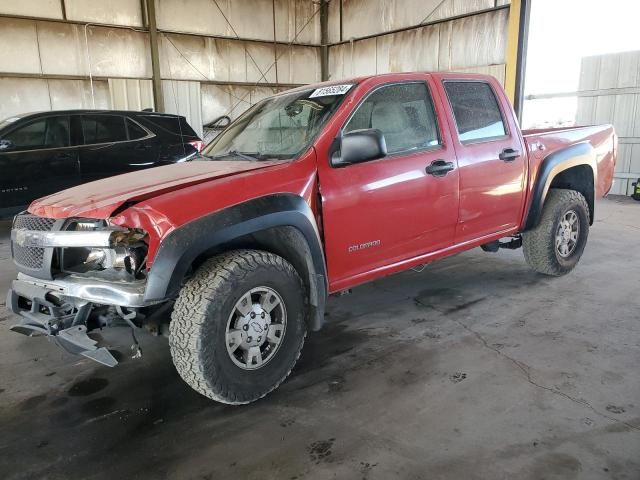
{"points": [[251, 156]]}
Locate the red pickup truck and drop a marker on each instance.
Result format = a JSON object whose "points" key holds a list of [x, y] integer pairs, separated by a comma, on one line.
{"points": [[310, 192]]}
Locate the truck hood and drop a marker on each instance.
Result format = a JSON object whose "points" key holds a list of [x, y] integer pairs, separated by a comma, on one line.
{"points": [[101, 198]]}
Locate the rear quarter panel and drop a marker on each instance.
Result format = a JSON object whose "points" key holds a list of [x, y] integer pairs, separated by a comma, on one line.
{"points": [[541, 143]]}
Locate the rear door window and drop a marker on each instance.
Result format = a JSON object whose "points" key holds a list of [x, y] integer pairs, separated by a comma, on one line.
{"points": [[49, 132], [174, 125], [135, 131], [103, 129], [476, 111]]}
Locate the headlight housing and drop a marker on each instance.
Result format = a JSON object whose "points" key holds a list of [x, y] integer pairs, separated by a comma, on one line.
{"points": [[92, 246]]}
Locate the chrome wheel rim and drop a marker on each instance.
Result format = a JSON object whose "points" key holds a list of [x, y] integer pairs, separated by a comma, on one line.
{"points": [[256, 328], [567, 234]]}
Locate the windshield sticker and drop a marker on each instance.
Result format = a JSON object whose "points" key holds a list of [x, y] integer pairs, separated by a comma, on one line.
{"points": [[332, 90]]}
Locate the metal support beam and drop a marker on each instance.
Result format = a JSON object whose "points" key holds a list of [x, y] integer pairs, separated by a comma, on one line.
{"points": [[155, 56], [525, 15], [517, 36], [324, 40]]}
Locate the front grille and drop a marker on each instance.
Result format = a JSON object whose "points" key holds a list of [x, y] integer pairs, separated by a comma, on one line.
{"points": [[31, 258]]}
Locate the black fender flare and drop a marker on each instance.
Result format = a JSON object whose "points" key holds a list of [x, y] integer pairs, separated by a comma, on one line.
{"points": [[183, 246], [551, 166]]}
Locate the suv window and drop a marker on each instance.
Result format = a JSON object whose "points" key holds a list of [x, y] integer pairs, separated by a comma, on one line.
{"points": [[171, 124], [103, 128], [135, 130], [403, 113], [476, 111], [50, 132]]}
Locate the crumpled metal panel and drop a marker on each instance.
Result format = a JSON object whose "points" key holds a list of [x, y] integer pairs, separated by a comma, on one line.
{"points": [[113, 12], [32, 8]]}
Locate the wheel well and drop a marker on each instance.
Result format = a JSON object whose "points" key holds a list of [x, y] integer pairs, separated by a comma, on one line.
{"points": [[287, 242], [578, 178]]}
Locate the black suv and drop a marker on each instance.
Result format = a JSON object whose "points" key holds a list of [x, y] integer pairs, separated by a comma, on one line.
{"points": [[42, 153]]}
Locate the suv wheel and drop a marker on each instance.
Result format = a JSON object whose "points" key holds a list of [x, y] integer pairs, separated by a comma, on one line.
{"points": [[556, 244], [238, 327]]}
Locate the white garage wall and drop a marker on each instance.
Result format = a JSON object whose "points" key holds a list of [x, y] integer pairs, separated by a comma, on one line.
{"points": [[609, 92], [48, 53], [46, 60], [474, 43]]}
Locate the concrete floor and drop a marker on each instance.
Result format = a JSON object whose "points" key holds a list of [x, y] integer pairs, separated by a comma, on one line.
{"points": [[474, 368]]}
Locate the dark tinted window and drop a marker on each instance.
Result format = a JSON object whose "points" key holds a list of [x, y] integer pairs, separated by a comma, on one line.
{"points": [[135, 130], [476, 111], [403, 113], [103, 128], [172, 124], [50, 132]]}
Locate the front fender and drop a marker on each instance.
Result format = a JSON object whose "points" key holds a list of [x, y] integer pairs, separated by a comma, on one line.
{"points": [[180, 249]]}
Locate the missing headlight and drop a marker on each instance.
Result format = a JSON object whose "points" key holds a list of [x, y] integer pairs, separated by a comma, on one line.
{"points": [[126, 253]]}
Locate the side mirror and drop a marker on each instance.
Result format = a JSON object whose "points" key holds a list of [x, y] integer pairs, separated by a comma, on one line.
{"points": [[6, 145], [360, 146]]}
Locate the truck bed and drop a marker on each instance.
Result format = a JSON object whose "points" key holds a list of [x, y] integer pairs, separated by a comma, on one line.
{"points": [[541, 143]]}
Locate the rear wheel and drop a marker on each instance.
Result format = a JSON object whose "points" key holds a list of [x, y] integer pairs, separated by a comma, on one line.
{"points": [[555, 246], [238, 326]]}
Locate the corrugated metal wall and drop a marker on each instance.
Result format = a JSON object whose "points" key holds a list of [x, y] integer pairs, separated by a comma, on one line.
{"points": [[475, 43], [48, 53], [609, 92], [46, 61]]}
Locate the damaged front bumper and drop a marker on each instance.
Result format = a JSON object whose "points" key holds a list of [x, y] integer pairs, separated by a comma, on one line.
{"points": [[61, 308]]}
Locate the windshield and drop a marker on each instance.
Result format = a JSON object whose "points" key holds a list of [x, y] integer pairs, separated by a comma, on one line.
{"points": [[278, 127]]}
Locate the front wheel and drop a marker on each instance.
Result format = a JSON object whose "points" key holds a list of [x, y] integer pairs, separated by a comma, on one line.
{"points": [[555, 246], [238, 327]]}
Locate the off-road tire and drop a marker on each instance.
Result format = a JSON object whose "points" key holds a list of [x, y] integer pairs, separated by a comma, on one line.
{"points": [[199, 321], [539, 244]]}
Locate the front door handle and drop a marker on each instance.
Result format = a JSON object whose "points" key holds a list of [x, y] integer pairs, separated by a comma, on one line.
{"points": [[439, 168], [509, 155]]}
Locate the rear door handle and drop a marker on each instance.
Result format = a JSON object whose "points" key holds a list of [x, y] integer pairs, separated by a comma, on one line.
{"points": [[439, 168], [142, 146], [509, 155]]}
